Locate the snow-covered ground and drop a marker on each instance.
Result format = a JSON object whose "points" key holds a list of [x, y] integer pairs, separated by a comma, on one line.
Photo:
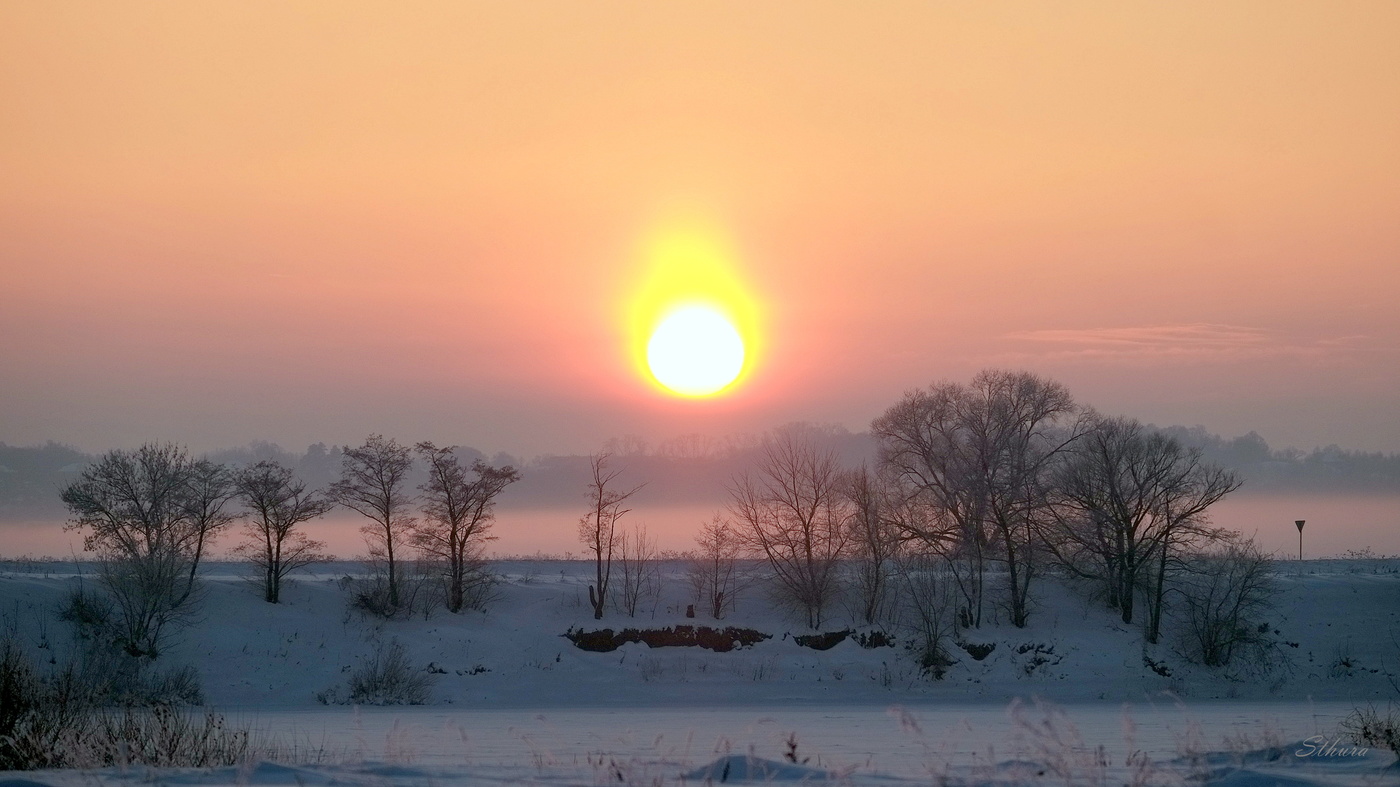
{"points": [[513, 700]]}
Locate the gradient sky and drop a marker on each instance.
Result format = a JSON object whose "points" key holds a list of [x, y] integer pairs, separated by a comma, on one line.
{"points": [[223, 222]]}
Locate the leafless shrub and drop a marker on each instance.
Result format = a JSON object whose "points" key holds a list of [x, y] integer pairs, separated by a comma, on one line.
{"points": [[387, 678], [1370, 726], [50, 721], [420, 586], [875, 538], [162, 736], [640, 576], [20, 695], [713, 570], [89, 612], [479, 584], [791, 512], [1226, 592], [927, 609]]}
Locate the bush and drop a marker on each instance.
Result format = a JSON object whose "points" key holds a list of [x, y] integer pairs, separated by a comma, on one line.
{"points": [[174, 686], [933, 660], [1370, 727], [162, 737], [1226, 592], [927, 611], [20, 694], [419, 593], [49, 721], [89, 612], [371, 596], [39, 715], [386, 678]]}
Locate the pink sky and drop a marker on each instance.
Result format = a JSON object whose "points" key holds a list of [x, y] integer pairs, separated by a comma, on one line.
{"points": [[222, 222]]}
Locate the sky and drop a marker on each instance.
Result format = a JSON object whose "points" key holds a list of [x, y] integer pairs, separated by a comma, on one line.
{"points": [[310, 221]]}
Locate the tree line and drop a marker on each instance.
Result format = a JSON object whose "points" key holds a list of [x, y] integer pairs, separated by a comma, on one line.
{"points": [[150, 516], [977, 491]]}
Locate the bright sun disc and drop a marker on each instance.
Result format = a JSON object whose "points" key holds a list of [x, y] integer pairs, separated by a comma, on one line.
{"points": [[695, 351]]}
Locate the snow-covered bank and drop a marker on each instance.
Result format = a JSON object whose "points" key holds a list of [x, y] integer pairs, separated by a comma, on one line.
{"points": [[1336, 625], [1213, 743], [514, 701]]}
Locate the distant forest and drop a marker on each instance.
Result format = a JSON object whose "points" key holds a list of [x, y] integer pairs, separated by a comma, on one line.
{"points": [[694, 469]]}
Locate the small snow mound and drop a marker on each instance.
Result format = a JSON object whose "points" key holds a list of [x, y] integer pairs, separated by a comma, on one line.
{"points": [[21, 783], [261, 773], [270, 773], [746, 768], [1312, 762]]}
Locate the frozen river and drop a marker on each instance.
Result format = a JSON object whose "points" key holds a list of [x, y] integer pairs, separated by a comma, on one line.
{"points": [[910, 741]]}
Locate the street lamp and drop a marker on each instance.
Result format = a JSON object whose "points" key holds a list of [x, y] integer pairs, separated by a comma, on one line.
{"points": [[1299, 523]]}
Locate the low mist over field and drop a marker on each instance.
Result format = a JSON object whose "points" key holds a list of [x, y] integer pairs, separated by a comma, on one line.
{"points": [[1352, 498]]}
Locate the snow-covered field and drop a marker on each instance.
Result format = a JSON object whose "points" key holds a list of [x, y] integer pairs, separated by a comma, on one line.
{"points": [[1070, 699]]}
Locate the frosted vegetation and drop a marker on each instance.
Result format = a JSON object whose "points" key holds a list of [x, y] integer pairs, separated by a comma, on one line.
{"points": [[1003, 541]]}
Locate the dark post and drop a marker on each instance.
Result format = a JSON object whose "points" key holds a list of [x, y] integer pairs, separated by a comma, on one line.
{"points": [[1299, 523]]}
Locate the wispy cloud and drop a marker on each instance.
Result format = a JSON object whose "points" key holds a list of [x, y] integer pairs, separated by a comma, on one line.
{"points": [[1186, 342]]}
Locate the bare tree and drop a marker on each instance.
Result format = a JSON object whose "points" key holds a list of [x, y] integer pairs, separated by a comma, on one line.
{"points": [[598, 528], [1226, 592], [458, 511], [1126, 499], [923, 447], [148, 515], [792, 512], [927, 600], [208, 489], [1184, 525], [372, 479], [277, 502], [640, 575], [983, 454], [876, 539], [713, 571]]}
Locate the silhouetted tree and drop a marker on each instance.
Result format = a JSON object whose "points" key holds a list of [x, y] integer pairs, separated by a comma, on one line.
{"points": [[713, 570], [875, 541], [277, 501], [1125, 499], [792, 512], [598, 528], [372, 479], [148, 515], [458, 511], [641, 577], [982, 454], [208, 490]]}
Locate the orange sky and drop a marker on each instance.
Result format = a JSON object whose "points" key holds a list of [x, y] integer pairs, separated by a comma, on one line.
{"points": [[300, 222]]}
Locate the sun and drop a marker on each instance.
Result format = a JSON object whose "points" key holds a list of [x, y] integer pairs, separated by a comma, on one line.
{"points": [[693, 324], [695, 351]]}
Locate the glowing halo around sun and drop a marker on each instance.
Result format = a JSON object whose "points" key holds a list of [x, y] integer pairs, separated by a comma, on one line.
{"points": [[693, 322], [695, 351]]}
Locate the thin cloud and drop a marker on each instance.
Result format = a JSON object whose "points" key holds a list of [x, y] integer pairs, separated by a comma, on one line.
{"points": [[1184, 342]]}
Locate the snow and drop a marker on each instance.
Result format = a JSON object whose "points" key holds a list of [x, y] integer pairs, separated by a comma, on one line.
{"points": [[1069, 699]]}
